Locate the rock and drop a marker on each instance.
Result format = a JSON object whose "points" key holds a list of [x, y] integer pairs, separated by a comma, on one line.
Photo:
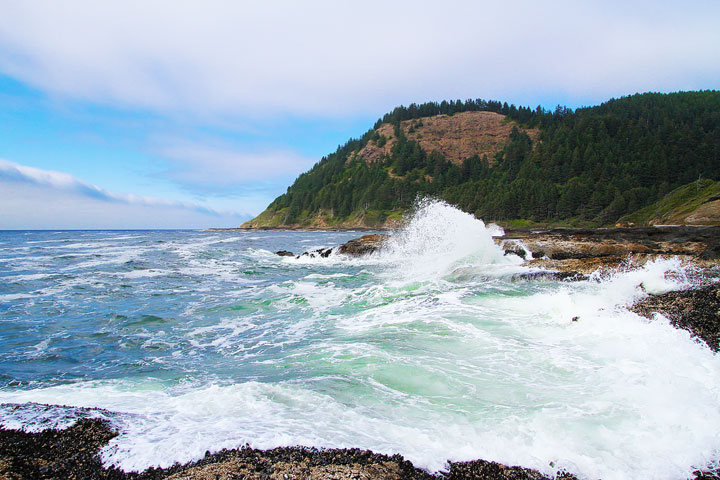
{"points": [[356, 247], [580, 267], [565, 244], [513, 248], [549, 275], [72, 453], [284, 253], [321, 252], [484, 470], [364, 245], [696, 310]]}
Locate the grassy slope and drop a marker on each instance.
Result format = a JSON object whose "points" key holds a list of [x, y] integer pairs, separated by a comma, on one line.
{"points": [[675, 207], [367, 219], [672, 209]]}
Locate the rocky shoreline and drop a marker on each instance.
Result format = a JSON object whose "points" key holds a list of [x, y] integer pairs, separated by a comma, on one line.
{"points": [[301, 229], [584, 251], [696, 310], [73, 453], [563, 253]]}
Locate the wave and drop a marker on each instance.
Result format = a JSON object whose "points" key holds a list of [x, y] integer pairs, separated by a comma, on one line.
{"points": [[427, 349]]}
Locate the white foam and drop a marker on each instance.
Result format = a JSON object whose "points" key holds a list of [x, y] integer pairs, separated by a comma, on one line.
{"points": [[9, 297], [438, 239], [27, 278], [427, 350], [144, 273]]}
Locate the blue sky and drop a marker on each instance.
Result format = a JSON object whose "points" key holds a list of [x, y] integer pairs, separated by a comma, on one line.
{"points": [[197, 114]]}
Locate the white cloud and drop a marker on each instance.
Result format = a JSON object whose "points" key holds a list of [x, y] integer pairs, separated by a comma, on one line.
{"points": [[215, 169], [33, 198], [333, 58]]}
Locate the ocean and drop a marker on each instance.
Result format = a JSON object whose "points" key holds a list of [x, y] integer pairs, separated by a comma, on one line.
{"points": [[189, 341]]}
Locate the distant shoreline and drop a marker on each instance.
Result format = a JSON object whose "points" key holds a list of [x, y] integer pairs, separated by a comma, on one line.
{"points": [[300, 229]]}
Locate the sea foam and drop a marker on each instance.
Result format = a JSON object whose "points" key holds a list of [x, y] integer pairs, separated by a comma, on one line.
{"points": [[427, 349]]}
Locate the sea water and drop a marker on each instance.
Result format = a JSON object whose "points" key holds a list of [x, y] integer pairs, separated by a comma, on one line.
{"points": [[434, 348]]}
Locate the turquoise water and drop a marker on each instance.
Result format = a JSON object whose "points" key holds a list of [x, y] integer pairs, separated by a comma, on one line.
{"points": [[433, 349]]}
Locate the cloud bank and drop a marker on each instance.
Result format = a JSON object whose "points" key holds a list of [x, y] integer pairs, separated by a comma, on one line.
{"points": [[334, 58], [212, 169], [33, 198]]}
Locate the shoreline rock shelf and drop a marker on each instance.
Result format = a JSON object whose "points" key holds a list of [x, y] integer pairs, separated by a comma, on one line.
{"points": [[696, 310], [579, 252], [584, 251], [73, 454]]}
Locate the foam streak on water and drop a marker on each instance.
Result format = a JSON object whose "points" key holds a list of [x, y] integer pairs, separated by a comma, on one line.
{"points": [[207, 340]]}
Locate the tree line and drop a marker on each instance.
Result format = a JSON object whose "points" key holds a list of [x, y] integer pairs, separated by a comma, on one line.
{"points": [[592, 164]]}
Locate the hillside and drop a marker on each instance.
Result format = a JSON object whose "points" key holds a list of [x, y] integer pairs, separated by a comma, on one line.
{"points": [[456, 137], [503, 163], [697, 203]]}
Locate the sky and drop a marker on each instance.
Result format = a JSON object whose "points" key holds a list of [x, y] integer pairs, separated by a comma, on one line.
{"points": [[180, 114]]}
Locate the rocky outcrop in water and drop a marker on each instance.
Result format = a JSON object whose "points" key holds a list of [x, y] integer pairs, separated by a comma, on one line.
{"points": [[321, 252], [579, 252], [586, 250], [364, 245], [696, 310], [356, 247]]}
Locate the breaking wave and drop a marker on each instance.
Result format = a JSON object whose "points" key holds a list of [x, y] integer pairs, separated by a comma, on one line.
{"points": [[200, 341]]}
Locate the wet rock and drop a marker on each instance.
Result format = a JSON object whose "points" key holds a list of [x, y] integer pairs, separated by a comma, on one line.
{"points": [[484, 470], [364, 245], [296, 463], [356, 247], [73, 454], [515, 250], [696, 310], [578, 266], [549, 275], [70, 454], [565, 243], [284, 253], [321, 252]]}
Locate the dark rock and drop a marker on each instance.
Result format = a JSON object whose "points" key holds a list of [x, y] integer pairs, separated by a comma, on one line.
{"points": [[58, 454], [696, 310], [516, 250], [549, 275], [484, 470], [284, 253], [321, 252], [357, 247], [364, 245], [711, 253]]}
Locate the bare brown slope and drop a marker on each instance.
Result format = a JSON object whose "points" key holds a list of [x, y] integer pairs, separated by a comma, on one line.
{"points": [[457, 137]]}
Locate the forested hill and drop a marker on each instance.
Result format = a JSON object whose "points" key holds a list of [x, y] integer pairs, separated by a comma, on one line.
{"points": [[500, 162]]}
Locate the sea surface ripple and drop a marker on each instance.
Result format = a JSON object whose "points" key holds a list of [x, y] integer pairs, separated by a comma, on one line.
{"points": [[198, 340]]}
